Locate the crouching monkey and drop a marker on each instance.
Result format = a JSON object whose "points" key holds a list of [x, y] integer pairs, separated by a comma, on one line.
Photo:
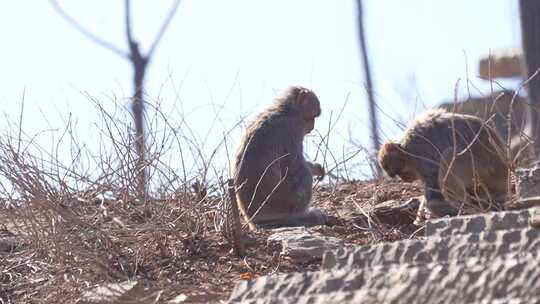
{"points": [[459, 158]]}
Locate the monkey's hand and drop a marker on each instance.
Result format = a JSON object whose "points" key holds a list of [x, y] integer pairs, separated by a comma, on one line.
{"points": [[317, 170]]}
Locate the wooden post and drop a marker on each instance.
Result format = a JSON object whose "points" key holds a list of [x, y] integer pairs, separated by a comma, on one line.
{"points": [[530, 33]]}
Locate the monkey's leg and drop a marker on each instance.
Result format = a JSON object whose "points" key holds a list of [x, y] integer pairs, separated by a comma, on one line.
{"points": [[316, 170], [435, 202], [294, 199], [455, 177], [491, 184], [472, 182]]}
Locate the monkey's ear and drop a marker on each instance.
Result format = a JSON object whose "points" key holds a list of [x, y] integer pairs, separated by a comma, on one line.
{"points": [[390, 146], [393, 148], [303, 97]]}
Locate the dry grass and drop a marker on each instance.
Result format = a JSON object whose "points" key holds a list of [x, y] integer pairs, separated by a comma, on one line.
{"points": [[81, 222], [81, 228], [67, 251]]}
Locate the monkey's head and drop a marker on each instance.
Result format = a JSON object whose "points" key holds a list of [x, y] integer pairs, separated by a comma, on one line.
{"points": [[304, 102], [393, 159]]}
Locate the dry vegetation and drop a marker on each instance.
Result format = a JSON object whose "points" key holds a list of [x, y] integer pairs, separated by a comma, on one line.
{"points": [[80, 224]]}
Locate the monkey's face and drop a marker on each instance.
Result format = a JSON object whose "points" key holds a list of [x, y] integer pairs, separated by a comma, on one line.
{"points": [[309, 124], [302, 102], [392, 160], [310, 112]]}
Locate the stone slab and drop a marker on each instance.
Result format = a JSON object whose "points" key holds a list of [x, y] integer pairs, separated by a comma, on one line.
{"points": [[485, 245], [474, 281], [301, 244], [478, 223]]}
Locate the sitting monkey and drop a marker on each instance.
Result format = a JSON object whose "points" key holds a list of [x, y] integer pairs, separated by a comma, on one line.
{"points": [[458, 157], [273, 181]]}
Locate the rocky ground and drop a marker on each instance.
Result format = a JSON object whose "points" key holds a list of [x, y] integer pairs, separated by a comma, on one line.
{"points": [[124, 252], [86, 252], [481, 258], [486, 258]]}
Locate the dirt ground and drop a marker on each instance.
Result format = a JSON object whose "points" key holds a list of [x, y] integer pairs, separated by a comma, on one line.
{"points": [[67, 252]]}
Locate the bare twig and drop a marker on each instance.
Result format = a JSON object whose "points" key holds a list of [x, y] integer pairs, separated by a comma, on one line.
{"points": [[233, 229], [163, 27], [87, 33]]}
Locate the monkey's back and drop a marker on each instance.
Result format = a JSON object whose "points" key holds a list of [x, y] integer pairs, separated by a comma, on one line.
{"points": [[267, 157], [499, 108], [266, 140], [437, 130]]}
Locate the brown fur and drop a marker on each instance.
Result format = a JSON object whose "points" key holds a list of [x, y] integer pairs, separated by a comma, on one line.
{"points": [[507, 113], [458, 157], [272, 178]]}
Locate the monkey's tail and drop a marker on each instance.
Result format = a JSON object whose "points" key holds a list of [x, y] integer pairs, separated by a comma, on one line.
{"points": [[243, 213]]}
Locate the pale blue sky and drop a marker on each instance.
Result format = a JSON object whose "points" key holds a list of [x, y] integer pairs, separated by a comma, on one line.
{"points": [[238, 53]]}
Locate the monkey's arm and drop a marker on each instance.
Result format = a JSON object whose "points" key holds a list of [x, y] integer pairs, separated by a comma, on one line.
{"points": [[316, 169], [432, 189]]}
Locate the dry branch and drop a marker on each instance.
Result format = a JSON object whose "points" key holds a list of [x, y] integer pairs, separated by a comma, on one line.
{"points": [[232, 228]]}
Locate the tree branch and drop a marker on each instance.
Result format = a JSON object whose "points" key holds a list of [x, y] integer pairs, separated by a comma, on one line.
{"points": [[163, 28], [85, 32], [129, 34]]}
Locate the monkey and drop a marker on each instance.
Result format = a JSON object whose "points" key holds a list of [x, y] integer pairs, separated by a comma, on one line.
{"points": [[507, 113], [459, 159], [273, 180]]}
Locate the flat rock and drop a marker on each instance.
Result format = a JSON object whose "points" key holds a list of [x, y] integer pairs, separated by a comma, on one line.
{"points": [[367, 297], [528, 182], [483, 258], [487, 245], [109, 292], [478, 223], [302, 244], [124, 292], [515, 301], [473, 281], [393, 212]]}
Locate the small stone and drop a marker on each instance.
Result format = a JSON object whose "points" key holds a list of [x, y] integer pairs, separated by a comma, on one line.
{"points": [[178, 299], [107, 293], [8, 243], [534, 220], [396, 212], [527, 184]]}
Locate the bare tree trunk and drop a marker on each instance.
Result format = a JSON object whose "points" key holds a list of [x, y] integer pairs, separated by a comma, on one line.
{"points": [[530, 32], [137, 107], [139, 63], [369, 85]]}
